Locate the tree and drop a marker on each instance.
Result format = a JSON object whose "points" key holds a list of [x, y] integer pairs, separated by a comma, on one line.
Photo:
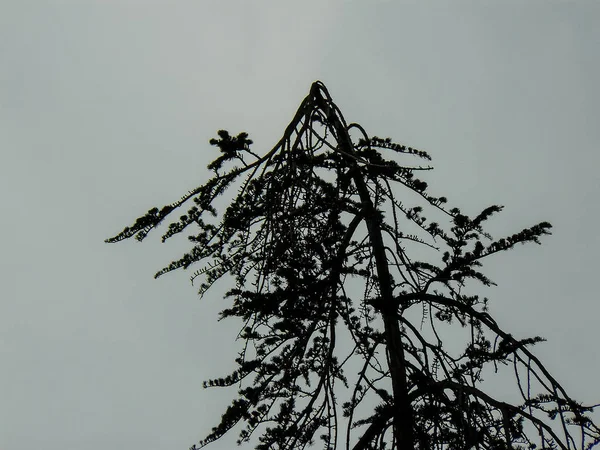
{"points": [[315, 247]]}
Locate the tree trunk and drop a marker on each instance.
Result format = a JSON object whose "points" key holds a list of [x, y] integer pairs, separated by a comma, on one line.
{"points": [[403, 414]]}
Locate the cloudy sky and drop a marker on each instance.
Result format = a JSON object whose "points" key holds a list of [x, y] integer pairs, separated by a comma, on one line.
{"points": [[106, 108]]}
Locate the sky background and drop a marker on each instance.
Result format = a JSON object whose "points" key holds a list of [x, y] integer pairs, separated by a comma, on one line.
{"points": [[106, 109]]}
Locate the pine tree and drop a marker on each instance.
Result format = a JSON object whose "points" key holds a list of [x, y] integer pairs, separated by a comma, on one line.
{"points": [[315, 247]]}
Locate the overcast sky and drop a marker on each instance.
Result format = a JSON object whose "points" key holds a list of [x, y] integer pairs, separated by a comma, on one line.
{"points": [[106, 109]]}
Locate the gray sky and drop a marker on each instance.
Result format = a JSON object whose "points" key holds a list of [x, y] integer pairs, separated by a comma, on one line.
{"points": [[106, 108]]}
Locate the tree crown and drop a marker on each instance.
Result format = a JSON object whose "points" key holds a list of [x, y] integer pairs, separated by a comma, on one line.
{"points": [[315, 245]]}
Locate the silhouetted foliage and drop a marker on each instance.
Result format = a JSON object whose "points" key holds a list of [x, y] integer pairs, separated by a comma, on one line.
{"points": [[315, 248]]}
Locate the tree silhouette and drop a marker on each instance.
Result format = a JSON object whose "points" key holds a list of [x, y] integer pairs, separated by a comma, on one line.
{"points": [[343, 331]]}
